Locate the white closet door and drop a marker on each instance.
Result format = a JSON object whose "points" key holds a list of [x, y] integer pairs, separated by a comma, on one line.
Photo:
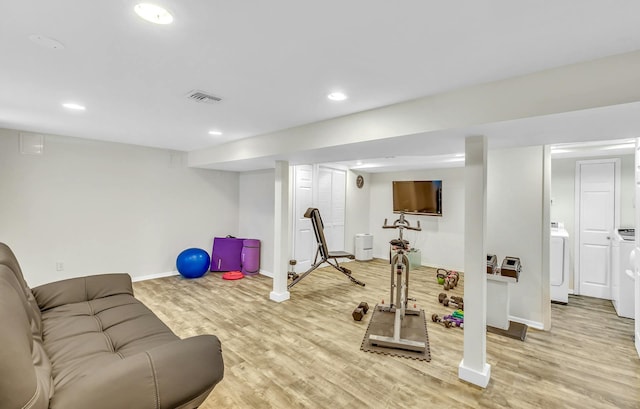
{"points": [[331, 198], [338, 198], [328, 194], [304, 242]]}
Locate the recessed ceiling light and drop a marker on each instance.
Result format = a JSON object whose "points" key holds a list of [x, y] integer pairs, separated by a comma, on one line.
{"points": [[75, 107], [337, 96], [154, 14], [216, 133]]}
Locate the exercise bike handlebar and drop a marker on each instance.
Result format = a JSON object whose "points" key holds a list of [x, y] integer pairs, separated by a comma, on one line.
{"points": [[401, 224]]}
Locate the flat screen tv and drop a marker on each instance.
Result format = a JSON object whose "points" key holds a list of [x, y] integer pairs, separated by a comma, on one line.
{"points": [[418, 197]]}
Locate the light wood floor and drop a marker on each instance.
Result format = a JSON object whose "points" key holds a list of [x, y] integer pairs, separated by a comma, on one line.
{"points": [[305, 353]]}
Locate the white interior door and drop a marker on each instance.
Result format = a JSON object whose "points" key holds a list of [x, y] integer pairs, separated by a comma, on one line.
{"points": [[303, 236], [596, 222], [338, 198], [331, 203], [328, 194]]}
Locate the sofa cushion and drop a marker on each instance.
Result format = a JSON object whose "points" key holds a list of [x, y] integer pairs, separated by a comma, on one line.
{"points": [[82, 336], [79, 289]]}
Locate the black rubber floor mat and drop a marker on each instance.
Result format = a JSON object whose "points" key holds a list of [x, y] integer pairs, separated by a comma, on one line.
{"points": [[414, 328]]}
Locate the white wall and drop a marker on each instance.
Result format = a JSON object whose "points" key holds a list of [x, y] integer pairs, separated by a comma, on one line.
{"points": [[515, 225], [441, 240], [103, 207], [256, 199], [563, 173], [358, 207]]}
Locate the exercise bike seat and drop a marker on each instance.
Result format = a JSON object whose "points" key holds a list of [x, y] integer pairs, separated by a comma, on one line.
{"points": [[400, 244]]}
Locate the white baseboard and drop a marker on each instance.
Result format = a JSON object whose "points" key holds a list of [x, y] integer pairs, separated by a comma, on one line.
{"points": [[175, 273], [529, 323], [154, 276], [266, 273], [475, 377]]}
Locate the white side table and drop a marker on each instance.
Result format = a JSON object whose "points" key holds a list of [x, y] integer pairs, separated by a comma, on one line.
{"points": [[498, 300]]}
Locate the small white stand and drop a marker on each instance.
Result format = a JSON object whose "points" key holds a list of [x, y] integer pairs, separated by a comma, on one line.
{"points": [[498, 300], [415, 258]]}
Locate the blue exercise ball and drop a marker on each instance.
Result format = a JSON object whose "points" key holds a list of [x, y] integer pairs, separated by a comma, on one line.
{"points": [[193, 263]]}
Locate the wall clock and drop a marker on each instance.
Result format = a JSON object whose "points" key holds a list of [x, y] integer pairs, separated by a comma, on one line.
{"points": [[359, 181]]}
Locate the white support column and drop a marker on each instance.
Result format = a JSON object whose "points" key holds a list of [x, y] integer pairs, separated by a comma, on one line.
{"points": [[634, 257], [546, 238], [281, 232], [474, 367]]}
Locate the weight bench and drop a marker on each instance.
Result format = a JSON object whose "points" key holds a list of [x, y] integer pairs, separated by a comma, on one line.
{"points": [[326, 256]]}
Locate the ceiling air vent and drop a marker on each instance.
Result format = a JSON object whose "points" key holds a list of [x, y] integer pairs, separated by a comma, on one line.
{"points": [[203, 97]]}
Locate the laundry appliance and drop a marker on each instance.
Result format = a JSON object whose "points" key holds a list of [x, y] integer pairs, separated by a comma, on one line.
{"points": [[622, 280], [559, 263]]}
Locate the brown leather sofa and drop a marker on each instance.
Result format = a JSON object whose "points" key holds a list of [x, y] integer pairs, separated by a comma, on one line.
{"points": [[88, 343]]}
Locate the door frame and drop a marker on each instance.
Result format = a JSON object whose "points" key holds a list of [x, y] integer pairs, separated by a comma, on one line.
{"points": [[576, 213]]}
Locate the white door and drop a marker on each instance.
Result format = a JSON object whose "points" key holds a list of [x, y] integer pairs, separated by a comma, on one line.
{"points": [[596, 222], [304, 242], [331, 203]]}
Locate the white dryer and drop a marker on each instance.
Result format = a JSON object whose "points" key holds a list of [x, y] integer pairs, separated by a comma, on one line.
{"points": [[623, 282], [559, 264]]}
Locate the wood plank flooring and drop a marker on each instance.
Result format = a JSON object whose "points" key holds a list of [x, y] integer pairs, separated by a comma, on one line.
{"points": [[305, 352]]}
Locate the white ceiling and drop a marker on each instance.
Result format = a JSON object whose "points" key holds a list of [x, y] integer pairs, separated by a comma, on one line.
{"points": [[273, 63]]}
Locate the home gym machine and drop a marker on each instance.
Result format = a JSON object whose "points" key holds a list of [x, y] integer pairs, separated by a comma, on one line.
{"points": [[399, 293]]}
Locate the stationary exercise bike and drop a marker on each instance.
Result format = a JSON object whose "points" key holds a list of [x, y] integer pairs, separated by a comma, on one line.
{"points": [[399, 293]]}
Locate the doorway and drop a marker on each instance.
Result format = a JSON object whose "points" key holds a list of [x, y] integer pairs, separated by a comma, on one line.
{"points": [[597, 198]]}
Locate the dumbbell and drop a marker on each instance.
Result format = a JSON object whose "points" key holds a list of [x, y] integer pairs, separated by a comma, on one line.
{"points": [[457, 301], [455, 304], [436, 318], [453, 320], [360, 311]]}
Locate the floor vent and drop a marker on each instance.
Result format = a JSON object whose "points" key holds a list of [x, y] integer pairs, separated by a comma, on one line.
{"points": [[203, 97]]}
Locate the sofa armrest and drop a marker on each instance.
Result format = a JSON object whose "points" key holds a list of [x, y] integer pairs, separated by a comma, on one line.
{"points": [[81, 289], [167, 376]]}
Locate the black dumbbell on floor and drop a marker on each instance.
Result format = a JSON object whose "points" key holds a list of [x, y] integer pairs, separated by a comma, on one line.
{"points": [[360, 311]]}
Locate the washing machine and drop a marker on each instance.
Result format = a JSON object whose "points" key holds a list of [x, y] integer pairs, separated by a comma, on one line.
{"points": [[559, 264], [622, 280]]}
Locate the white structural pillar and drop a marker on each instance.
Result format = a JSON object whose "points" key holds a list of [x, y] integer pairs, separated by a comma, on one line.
{"points": [[281, 232], [634, 257], [474, 367]]}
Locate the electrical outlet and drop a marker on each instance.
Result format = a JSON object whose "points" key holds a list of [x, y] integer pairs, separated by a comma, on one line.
{"points": [[59, 266]]}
